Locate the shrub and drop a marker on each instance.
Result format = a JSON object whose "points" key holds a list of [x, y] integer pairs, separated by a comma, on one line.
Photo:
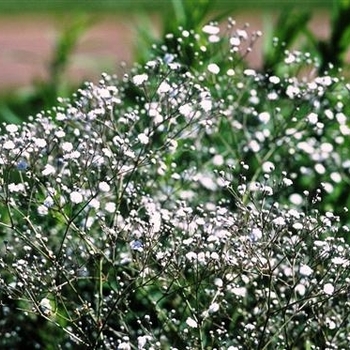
{"points": [[181, 208]]}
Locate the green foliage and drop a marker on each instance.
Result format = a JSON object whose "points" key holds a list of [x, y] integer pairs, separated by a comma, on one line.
{"points": [[291, 25], [93, 6], [292, 28], [187, 17], [332, 52]]}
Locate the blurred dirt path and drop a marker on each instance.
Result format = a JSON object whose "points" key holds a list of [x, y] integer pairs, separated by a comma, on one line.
{"points": [[27, 43]]}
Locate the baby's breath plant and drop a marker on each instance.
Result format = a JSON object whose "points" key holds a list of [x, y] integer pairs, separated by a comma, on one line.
{"points": [[181, 207]]}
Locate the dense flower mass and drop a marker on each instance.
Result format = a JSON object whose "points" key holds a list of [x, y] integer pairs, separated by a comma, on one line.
{"points": [[181, 207]]}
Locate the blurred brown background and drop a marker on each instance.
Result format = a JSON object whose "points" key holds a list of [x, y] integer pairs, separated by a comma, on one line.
{"points": [[27, 43]]}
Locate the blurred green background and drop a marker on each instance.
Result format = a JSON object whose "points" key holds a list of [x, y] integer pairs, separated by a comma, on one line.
{"points": [[49, 47], [114, 5]]}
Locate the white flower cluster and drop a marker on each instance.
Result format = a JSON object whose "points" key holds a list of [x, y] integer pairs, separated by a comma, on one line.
{"points": [[182, 204]]}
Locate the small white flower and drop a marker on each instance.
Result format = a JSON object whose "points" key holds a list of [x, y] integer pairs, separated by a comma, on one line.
{"points": [[234, 41], [173, 145], [249, 326], [48, 170], [241, 189], [256, 234], [12, 187], [279, 221], [218, 160], [296, 199], [104, 187], [264, 117], [242, 34], [214, 256], [312, 118], [75, 155], [320, 169], [213, 68], [110, 207], [292, 91], [11, 128], [254, 146], [103, 92], [207, 182], [341, 118], [274, 80], [139, 79], [60, 134], [130, 154], [168, 58], [76, 197], [340, 261], [191, 322], [268, 167], [61, 117], [300, 289], [336, 177], [218, 282], [290, 58], [9, 145], [326, 147], [152, 63], [214, 307], [163, 88], [214, 38], [142, 340], [325, 81], [249, 72], [186, 110], [330, 323], [42, 210], [124, 346], [49, 202], [45, 307], [192, 256], [267, 190], [41, 143], [305, 270], [328, 289], [298, 226], [143, 138], [67, 146], [155, 221], [201, 257], [272, 96], [206, 105], [94, 203], [287, 182], [185, 33], [239, 291], [211, 29]]}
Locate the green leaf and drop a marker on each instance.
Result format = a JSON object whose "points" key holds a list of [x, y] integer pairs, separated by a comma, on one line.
{"points": [[288, 29]]}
